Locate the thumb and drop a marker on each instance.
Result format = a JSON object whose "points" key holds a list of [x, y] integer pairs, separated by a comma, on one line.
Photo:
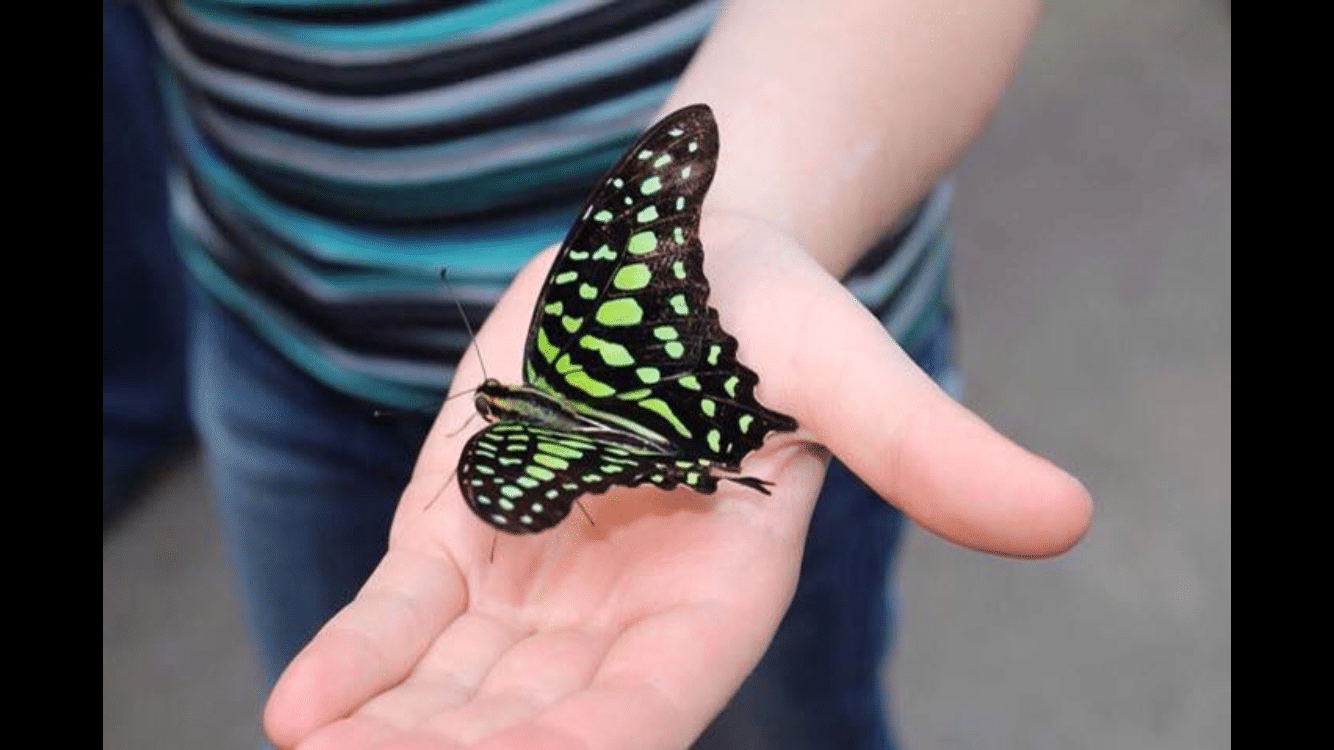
{"points": [[855, 389]]}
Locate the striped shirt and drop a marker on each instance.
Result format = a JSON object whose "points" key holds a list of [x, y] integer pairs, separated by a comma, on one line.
{"points": [[334, 155]]}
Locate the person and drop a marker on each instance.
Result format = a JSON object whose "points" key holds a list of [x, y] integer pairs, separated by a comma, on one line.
{"points": [[335, 156]]}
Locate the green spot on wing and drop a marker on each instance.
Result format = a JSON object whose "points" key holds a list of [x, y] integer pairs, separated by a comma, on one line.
{"points": [[661, 408], [642, 242], [537, 472], [588, 384], [544, 345], [559, 464], [612, 353], [620, 312], [557, 449], [632, 276]]}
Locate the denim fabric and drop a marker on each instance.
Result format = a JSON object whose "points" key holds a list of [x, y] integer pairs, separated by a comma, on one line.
{"points": [[306, 481], [144, 414]]}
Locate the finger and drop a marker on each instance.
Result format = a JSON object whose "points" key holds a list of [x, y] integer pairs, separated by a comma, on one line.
{"points": [[863, 397], [371, 644]]}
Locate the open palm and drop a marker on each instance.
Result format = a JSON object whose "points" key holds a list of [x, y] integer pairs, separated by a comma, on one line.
{"points": [[633, 631]]}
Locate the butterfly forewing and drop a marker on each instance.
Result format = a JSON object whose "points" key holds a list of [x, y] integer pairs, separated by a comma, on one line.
{"points": [[623, 327]]}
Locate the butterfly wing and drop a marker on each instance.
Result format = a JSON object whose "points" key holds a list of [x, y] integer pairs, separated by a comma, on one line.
{"points": [[623, 328], [522, 478]]}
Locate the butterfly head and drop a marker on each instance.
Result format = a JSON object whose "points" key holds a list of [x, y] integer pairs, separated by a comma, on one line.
{"points": [[487, 394]]}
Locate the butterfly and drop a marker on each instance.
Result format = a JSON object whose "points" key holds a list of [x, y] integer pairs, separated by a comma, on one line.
{"points": [[629, 378]]}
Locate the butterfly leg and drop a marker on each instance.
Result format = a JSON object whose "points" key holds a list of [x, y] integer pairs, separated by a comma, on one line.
{"points": [[755, 483], [452, 474]]}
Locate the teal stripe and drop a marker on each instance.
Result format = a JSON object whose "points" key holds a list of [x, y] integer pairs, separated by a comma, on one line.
{"points": [[289, 339], [496, 251], [398, 32], [468, 194]]}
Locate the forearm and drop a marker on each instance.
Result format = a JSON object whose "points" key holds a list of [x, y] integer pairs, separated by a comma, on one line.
{"points": [[836, 116]]}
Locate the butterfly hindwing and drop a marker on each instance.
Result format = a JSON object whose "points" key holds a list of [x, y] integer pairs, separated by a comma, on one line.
{"points": [[523, 478]]}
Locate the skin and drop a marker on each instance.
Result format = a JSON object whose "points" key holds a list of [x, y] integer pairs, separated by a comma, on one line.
{"points": [[635, 632]]}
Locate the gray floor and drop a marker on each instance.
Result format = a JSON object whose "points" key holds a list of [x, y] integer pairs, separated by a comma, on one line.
{"points": [[1094, 281]]}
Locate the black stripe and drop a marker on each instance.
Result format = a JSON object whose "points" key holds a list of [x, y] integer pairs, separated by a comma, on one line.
{"points": [[431, 70]]}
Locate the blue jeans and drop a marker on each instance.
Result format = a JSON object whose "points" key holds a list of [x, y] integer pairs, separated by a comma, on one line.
{"points": [[307, 479], [144, 415]]}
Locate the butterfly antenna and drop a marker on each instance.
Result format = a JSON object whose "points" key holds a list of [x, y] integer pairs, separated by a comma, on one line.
{"points": [[467, 422], [379, 413], [494, 539], [467, 325], [584, 510]]}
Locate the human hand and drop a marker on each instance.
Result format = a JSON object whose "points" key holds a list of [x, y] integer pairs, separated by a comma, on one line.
{"points": [[635, 632]]}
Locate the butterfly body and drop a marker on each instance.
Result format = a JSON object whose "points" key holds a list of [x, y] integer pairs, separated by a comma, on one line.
{"points": [[629, 378]]}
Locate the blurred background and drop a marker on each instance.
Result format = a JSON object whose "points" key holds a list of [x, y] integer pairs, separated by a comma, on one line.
{"points": [[1093, 281]]}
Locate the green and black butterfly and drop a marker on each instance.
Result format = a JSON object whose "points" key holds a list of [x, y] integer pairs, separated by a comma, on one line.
{"points": [[628, 377]]}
